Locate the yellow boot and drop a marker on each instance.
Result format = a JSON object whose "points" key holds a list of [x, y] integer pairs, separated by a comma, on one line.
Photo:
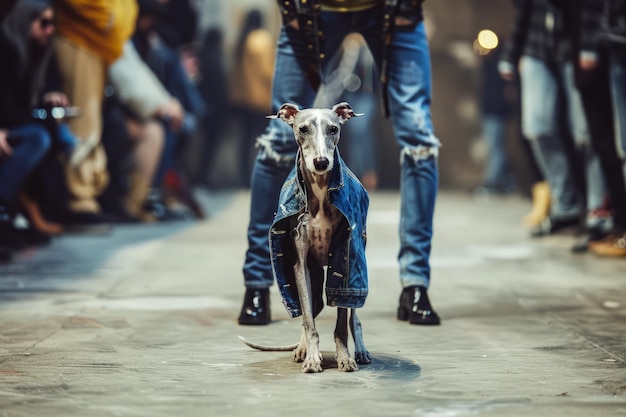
{"points": [[541, 204]]}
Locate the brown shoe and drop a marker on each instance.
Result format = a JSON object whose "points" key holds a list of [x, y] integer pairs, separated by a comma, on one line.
{"points": [[614, 246], [37, 220]]}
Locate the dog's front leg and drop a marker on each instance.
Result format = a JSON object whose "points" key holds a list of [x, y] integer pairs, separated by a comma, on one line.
{"points": [[344, 362], [313, 358], [361, 353], [299, 355]]}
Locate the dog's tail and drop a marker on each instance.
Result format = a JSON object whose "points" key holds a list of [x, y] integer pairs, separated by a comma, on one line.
{"points": [[268, 348]]}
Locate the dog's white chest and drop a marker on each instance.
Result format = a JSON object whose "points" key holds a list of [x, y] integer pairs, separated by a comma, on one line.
{"points": [[321, 227]]}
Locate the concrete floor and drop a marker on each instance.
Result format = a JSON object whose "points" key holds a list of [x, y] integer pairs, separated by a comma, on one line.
{"points": [[143, 323]]}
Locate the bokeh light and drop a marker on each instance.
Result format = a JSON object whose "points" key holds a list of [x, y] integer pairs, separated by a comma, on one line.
{"points": [[485, 42], [487, 39]]}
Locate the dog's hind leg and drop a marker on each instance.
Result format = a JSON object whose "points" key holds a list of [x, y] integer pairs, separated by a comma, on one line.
{"points": [[313, 358], [360, 351], [344, 362]]}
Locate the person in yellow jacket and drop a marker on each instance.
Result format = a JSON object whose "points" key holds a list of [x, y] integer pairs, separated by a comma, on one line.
{"points": [[91, 36], [251, 86]]}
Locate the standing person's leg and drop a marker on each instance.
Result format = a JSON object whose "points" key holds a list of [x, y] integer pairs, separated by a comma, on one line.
{"points": [[253, 124], [598, 222], [83, 78], [32, 144], [618, 95], [274, 161], [614, 161], [540, 101], [497, 176], [409, 93], [149, 139]]}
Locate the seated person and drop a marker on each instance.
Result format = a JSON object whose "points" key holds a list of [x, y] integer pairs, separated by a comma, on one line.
{"points": [[25, 37], [166, 64], [148, 110]]}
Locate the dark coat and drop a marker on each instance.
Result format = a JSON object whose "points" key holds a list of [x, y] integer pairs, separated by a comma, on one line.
{"points": [[5, 7], [15, 88], [539, 31]]}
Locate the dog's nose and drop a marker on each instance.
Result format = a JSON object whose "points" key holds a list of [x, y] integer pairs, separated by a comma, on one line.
{"points": [[321, 163]]}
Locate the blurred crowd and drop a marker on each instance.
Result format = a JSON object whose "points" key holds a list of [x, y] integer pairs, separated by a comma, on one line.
{"points": [[98, 101], [103, 101], [563, 68]]}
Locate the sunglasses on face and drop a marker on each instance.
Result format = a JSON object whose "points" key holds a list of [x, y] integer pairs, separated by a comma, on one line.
{"points": [[45, 23]]}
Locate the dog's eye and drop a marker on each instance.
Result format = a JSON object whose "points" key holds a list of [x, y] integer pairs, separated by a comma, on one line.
{"points": [[303, 129], [333, 130]]}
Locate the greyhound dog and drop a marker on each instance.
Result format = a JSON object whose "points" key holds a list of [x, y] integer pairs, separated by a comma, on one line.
{"points": [[316, 227]]}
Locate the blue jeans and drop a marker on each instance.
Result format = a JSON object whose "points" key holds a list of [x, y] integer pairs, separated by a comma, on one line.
{"points": [[167, 157], [541, 104], [359, 139], [618, 92], [409, 92], [33, 143], [498, 171]]}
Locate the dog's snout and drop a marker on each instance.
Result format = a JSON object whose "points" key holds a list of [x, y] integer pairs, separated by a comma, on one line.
{"points": [[321, 163]]}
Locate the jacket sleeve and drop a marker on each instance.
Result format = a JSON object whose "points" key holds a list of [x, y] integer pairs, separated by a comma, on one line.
{"points": [[98, 13], [591, 23], [13, 108], [10, 114], [514, 46], [136, 86]]}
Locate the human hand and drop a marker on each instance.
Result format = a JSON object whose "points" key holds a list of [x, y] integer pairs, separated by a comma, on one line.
{"points": [[56, 99], [507, 75], [506, 70], [402, 21], [587, 63], [5, 148], [173, 113], [294, 24], [190, 63]]}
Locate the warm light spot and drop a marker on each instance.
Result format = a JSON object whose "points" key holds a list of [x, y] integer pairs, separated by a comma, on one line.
{"points": [[487, 39], [479, 49]]}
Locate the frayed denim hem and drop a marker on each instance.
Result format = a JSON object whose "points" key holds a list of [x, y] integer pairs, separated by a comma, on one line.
{"points": [[419, 152]]}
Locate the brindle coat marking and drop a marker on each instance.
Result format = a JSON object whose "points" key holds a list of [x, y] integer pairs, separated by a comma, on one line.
{"points": [[317, 134]]}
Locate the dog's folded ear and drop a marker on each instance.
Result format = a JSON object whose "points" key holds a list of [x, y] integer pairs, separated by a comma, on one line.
{"points": [[287, 113], [344, 111]]}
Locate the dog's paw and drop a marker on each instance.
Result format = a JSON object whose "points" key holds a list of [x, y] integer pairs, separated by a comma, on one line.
{"points": [[299, 354], [312, 366], [347, 365], [362, 357]]}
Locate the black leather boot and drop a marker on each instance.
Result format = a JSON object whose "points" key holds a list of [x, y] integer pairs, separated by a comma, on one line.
{"points": [[256, 307], [415, 307]]}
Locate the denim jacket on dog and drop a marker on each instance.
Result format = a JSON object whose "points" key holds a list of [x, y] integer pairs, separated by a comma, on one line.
{"points": [[346, 283]]}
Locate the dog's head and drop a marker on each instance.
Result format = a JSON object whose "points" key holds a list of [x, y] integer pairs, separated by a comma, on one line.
{"points": [[316, 132]]}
